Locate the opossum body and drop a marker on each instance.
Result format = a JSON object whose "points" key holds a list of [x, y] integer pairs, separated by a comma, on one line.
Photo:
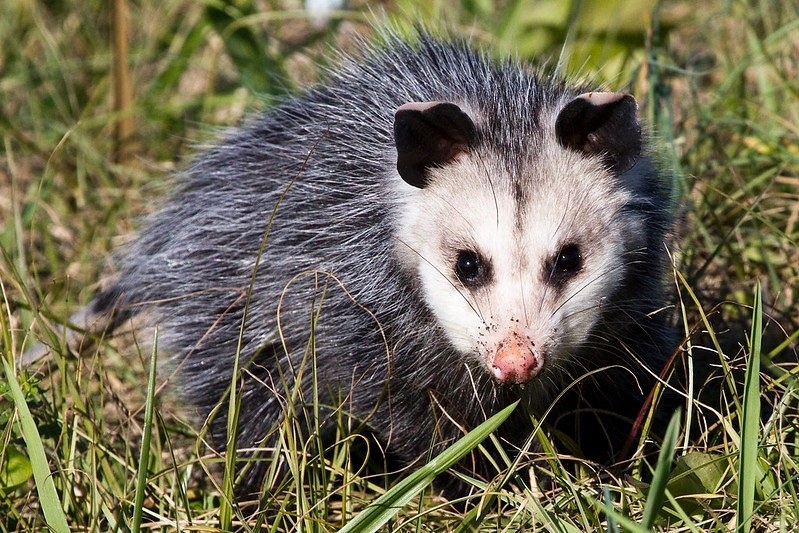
{"points": [[459, 233]]}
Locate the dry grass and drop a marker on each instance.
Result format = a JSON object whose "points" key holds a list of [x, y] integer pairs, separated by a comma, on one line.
{"points": [[720, 85]]}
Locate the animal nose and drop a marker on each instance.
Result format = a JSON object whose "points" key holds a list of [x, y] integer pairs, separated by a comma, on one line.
{"points": [[517, 360]]}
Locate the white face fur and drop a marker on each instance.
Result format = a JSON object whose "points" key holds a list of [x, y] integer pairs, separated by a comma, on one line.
{"points": [[547, 254]]}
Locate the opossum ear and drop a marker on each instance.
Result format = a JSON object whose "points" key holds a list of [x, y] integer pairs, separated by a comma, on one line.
{"points": [[602, 123], [429, 134]]}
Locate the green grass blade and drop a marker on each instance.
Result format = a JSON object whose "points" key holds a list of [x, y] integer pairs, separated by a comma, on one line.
{"points": [[750, 421], [657, 489], [147, 430], [613, 524], [48, 497], [628, 524], [379, 512]]}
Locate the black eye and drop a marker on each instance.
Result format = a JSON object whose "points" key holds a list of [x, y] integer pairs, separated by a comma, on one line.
{"points": [[569, 260], [468, 267]]}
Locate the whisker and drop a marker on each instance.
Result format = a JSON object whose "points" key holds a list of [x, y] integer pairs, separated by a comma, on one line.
{"points": [[465, 299]]}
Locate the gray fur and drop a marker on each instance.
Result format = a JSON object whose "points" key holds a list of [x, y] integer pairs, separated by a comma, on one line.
{"points": [[327, 160]]}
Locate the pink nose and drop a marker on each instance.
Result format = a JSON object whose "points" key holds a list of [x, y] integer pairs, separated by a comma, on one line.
{"points": [[517, 361]]}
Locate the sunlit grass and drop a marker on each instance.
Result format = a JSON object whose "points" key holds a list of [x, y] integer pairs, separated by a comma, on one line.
{"points": [[721, 87]]}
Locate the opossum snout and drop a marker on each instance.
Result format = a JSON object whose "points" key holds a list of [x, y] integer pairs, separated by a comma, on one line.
{"points": [[517, 360]]}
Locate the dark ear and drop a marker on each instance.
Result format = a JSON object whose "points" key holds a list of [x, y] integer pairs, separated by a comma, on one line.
{"points": [[429, 134], [604, 124]]}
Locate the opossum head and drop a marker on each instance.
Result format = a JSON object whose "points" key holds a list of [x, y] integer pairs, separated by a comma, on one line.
{"points": [[518, 250]]}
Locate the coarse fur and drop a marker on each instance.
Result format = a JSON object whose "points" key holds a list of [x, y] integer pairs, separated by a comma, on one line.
{"points": [[366, 259]]}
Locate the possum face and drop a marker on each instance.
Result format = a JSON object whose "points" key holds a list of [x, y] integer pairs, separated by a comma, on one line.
{"points": [[516, 261]]}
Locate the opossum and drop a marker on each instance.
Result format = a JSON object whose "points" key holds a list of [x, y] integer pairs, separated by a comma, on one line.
{"points": [[422, 239]]}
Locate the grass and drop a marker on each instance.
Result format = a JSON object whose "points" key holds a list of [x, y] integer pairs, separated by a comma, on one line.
{"points": [[719, 85]]}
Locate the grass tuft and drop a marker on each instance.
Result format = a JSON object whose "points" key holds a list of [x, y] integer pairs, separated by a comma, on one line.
{"points": [[48, 496], [81, 439]]}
